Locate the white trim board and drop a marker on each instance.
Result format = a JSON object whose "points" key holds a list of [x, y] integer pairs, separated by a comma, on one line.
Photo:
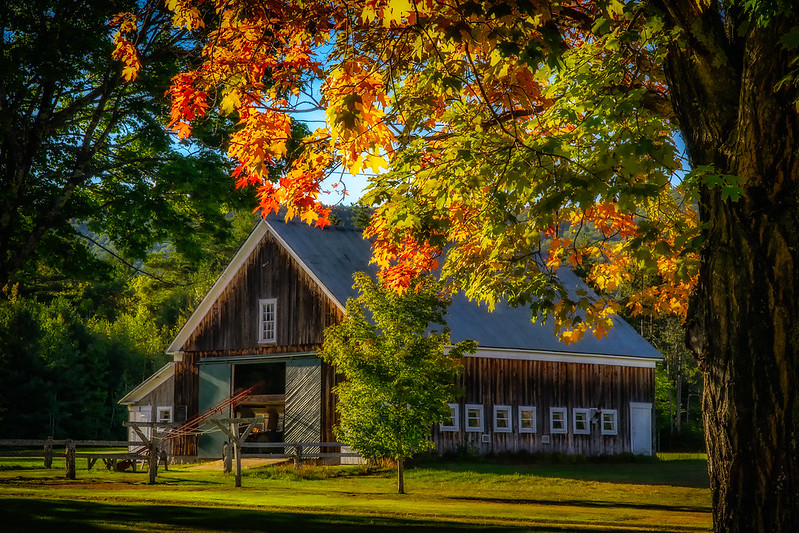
{"points": [[562, 357], [149, 385]]}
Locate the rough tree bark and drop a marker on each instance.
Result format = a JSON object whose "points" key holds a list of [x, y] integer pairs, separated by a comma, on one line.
{"points": [[400, 475], [743, 322]]}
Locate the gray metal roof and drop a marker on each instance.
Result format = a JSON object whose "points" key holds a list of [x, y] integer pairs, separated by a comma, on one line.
{"points": [[334, 254]]}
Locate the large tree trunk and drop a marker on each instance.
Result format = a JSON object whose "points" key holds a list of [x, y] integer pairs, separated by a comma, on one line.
{"points": [[743, 321]]}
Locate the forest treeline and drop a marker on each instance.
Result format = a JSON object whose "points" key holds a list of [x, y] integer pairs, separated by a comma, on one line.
{"points": [[69, 353]]}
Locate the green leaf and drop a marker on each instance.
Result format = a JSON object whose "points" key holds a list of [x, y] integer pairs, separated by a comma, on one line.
{"points": [[790, 40], [601, 26]]}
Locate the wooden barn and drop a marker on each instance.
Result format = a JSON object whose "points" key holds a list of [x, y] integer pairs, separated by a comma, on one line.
{"points": [[255, 335]]}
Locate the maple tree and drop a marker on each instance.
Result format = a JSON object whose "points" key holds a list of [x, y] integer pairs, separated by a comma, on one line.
{"points": [[518, 137]]}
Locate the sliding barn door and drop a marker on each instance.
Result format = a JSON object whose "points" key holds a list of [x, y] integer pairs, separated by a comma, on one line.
{"points": [[303, 401]]}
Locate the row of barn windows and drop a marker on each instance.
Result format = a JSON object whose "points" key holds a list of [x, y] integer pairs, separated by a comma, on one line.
{"points": [[526, 419]]}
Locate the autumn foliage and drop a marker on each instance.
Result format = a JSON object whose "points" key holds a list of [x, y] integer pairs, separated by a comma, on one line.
{"points": [[505, 139]]}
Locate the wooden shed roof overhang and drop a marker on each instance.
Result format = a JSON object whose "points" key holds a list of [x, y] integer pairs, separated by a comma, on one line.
{"points": [[147, 386]]}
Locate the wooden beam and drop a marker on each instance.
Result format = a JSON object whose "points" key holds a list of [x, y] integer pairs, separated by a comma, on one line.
{"points": [[234, 434]]}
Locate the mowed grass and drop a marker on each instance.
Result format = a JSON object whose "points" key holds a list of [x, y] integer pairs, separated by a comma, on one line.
{"points": [[667, 494]]}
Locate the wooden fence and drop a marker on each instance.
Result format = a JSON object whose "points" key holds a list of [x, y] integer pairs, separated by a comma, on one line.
{"points": [[152, 455], [49, 450]]}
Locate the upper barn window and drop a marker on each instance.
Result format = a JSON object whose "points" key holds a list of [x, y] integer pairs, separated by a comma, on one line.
{"points": [[266, 320]]}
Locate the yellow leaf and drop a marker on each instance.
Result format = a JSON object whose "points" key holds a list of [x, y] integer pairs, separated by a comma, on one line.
{"points": [[309, 216], [229, 103], [368, 14], [376, 162], [395, 10], [355, 166], [129, 73]]}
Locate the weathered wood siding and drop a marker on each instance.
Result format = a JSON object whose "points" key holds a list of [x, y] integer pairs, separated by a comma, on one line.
{"points": [[160, 397], [541, 384], [187, 380], [303, 310]]}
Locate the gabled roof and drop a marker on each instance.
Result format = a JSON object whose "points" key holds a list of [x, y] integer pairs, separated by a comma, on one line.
{"points": [[331, 256], [149, 385], [334, 254]]}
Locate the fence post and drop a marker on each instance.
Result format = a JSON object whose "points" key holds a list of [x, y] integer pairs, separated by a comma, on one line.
{"points": [[237, 452], [48, 453], [297, 456], [227, 458], [152, 455], [70, 459]]}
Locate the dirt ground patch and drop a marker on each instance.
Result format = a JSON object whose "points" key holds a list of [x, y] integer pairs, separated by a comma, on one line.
{"points": [[245, 463]]}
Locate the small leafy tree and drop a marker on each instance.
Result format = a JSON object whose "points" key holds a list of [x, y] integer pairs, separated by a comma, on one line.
{"points": [[398, 376]]}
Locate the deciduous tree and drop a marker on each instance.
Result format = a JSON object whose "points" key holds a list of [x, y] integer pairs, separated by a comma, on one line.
{"points": [[79, 146], [390, 348], [509, 128]]}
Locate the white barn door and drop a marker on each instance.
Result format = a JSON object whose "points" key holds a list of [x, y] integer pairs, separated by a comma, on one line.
{"points": [[141, 413], [641, 428]]}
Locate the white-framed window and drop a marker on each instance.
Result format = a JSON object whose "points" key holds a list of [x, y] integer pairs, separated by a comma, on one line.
{"points": [[610, 422], [474, 417], [558, 420], [163, 414], [452, 423], [267, 317], [581, 421], [527, 419], [503, 419]]}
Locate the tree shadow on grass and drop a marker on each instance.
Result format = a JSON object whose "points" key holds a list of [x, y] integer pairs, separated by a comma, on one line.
{"points": [[70, 516], [690, 473], [588, 503]]}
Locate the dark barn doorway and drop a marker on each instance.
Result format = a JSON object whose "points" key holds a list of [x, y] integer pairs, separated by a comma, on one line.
{"points": [[268, 400]]}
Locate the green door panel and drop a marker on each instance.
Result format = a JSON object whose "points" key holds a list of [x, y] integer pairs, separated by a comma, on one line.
{"points": [[215, 380]]}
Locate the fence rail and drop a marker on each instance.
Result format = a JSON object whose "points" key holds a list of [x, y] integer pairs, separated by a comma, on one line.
{"points": [[300, 451], [48, 452], [44, 442]]}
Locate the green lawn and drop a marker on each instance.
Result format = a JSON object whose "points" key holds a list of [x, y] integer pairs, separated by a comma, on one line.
{"points": [[669, 494]]}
